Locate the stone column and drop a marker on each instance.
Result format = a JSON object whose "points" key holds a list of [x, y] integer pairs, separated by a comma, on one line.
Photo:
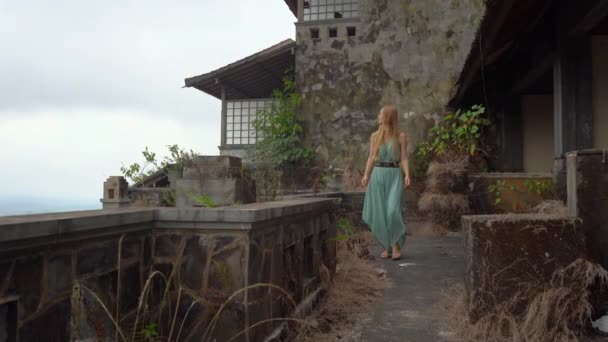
{"points": [[573, 110], [115, 193], [587, 185]]}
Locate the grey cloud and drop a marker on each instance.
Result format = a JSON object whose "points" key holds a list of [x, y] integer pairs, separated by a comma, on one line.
{"points": [[126, 53]]}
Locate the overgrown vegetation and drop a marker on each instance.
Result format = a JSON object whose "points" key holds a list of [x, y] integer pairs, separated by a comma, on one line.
{"points": [[444, 199], [168, 317], [529, 194], [458, 134], [355, 287], [205, 201], [177, 159], [542, 188], [557, 310], [450, 149], [279, 151]]}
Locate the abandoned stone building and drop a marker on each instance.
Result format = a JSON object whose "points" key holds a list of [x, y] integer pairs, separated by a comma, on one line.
{"points": [[350, 57], [540, 67]]}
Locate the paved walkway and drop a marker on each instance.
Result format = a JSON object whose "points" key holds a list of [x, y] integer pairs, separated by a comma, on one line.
{"points": [[408, 311]]}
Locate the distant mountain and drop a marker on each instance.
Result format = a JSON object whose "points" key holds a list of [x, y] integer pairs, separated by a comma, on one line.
{"points": [[23, 205]]}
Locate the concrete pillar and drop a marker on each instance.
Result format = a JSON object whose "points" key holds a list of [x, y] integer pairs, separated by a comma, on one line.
{"points": [[587, 185], [512, 136], [115, 193], [573, 110]]}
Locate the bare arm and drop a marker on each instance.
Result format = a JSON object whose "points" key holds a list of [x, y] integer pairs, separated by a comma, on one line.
{"points": [[370, 158], [405, 165]]}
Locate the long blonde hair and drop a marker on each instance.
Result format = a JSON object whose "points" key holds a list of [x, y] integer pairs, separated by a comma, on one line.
{"points": [[390, 121]]}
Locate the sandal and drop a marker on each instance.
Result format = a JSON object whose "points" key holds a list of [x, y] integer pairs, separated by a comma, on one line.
{"points": [[385, 255]]}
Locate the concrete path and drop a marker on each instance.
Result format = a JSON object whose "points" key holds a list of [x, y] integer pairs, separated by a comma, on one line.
{"points": [[408, 311]]}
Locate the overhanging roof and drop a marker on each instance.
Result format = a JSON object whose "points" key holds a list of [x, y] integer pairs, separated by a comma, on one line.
{"points": [[510, 27], [293, 6], [503, 23], [253, 77]]}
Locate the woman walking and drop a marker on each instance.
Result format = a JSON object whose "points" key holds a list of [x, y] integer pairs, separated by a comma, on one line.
{"points": [[382, 209]]}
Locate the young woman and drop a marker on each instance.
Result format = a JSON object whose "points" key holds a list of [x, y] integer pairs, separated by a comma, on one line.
{"points": [[382, 209]]}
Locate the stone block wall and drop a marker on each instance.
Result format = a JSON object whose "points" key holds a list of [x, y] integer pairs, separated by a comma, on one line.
{"points": [[407, 53], [505, 252], [205, 255], [218, 177], [41, 271]]}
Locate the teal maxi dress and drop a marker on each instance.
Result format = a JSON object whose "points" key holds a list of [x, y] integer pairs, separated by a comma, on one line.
{"points": [[383, 201]]}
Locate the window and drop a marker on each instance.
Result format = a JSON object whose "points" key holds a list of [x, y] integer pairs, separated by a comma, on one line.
{"points": [[330, 9], [351, 31], [333, 32], [314, 33], [240, 116]]}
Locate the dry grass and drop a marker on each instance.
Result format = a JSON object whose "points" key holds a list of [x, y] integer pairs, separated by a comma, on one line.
{"points": [[446, 177], [444, 209], [429, 229], [355, 287], [551, 207], [558, 310]]}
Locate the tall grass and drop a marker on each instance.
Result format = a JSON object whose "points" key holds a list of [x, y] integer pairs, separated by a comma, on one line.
{"points": [[147, 318], [557, 310]]}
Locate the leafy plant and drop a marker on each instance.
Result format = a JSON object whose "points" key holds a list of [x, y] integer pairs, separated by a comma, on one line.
{"points": [[169, 198], [177, 159], [543, 188], [279, 129], [150, 332], [279, 149], [459, 133], [345, 228], [224, 275], [205, 201], [496, 190]]}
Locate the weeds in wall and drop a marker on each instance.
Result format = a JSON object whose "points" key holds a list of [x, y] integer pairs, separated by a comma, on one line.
{"points": [[161, 322], [177, 159]]}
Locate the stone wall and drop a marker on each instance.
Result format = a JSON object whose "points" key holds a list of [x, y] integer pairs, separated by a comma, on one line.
{"points": [[204, 255], [504, 253], [43, 256], [407, 53]]}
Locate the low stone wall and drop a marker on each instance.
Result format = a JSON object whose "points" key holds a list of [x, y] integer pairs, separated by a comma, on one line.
{"points": [[516, 192], [152, 197], [503, 252], [43, 256], [204, 255]]}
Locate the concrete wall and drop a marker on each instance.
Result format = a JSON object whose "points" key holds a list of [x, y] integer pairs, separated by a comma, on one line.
{"points": [[600, 91], [407, 53], [208, 253], [503, 253], [537, 117]]}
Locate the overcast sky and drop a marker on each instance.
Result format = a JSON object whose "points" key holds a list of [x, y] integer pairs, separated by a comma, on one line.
{"points": [[86, 85]]}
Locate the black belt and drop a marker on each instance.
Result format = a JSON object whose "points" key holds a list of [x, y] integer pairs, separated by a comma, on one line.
{"points": [[387, 164]]}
